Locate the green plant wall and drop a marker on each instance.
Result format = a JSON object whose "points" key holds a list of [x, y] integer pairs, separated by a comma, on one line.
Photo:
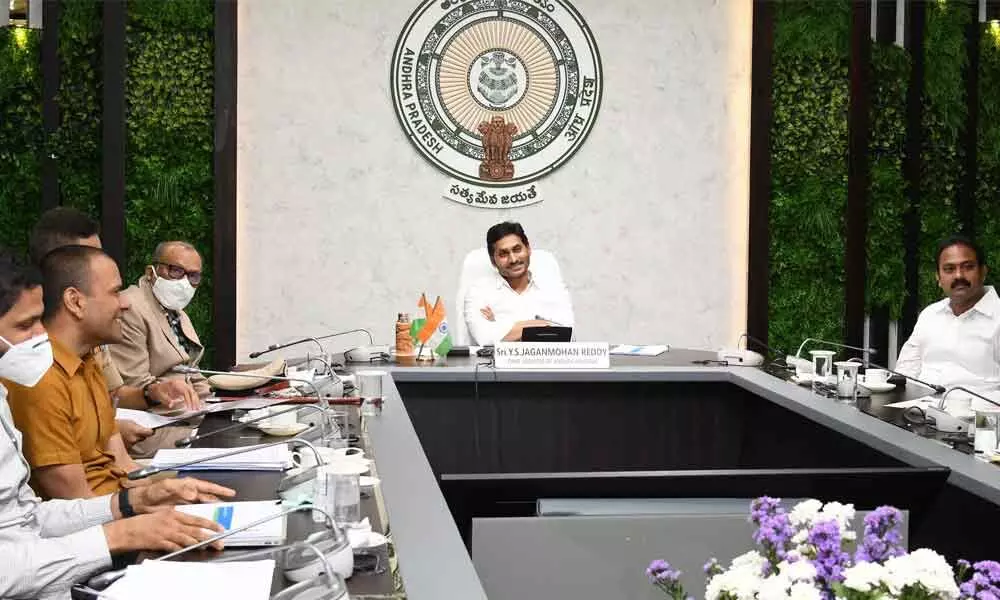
{"points": [[20, 135], [169, 94], [945, 111], [885, 285], [77, 144], [988, 148], [808, 171]]}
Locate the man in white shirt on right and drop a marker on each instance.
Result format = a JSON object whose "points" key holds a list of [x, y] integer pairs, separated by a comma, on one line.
{"points": [[956, 341], [500, 307]]}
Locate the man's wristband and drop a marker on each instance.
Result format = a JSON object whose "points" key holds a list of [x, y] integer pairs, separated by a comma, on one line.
{"points": [[124, 506]]}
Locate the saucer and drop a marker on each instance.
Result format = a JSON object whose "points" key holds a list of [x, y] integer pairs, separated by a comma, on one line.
{"points": [[803, 379], [878, 388], [283, 430]]}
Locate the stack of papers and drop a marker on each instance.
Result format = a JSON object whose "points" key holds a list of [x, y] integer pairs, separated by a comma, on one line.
{"points": [[627, 350], [168, 580], [266, 458], [233, 515]]}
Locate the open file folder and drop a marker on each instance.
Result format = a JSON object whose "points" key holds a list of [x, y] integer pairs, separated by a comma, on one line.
{"points": [[269, 458], [233, 515]]}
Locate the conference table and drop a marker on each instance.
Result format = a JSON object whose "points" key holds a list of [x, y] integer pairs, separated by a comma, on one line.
{"points": [[662, 426]]}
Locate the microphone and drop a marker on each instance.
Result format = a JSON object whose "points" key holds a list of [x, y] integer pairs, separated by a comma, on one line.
{"points": [[150, 470], [750, 338], [967, 391], [102, 581], [274, 347], [320, 398], [938, 389], [866, 351], [326, 425]]}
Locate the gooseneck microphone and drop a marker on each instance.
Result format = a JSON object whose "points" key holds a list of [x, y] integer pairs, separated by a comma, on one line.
{"points": [[866, 351], [193, 370], [938, 389], [102, 581], [150, 470], [326, 426], [967, 391], [274, 347]]}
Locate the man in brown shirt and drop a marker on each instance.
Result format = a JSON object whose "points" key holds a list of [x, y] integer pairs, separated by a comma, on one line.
{"points": [[66, 226], [70, 437]]}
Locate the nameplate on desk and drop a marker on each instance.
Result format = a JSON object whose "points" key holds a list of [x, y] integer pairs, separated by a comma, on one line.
{"points": [[551, 355]]}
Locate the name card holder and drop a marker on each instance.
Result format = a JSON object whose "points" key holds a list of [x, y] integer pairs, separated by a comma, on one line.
{"points": [[551, 355]]}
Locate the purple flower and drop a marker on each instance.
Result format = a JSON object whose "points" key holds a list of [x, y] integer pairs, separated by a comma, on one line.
{"points": [[984, 584], [763, 507], [712, 567], [882, 539], [830, 559], [665, 577]]}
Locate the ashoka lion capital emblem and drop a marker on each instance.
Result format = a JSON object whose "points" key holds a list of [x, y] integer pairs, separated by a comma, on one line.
{"points": [[498, 137]]}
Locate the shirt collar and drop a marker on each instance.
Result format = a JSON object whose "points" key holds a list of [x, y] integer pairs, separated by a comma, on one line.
{"points": [[64, 357], [532, 280], [988, 305]]}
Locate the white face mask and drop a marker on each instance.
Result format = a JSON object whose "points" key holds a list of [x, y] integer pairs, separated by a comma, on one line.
{"points": [[25, 363], [174, 294]]}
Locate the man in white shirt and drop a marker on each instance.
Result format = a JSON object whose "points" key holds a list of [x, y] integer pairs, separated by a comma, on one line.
{"points": [[46, 547], [500, 307], [956, 341]]}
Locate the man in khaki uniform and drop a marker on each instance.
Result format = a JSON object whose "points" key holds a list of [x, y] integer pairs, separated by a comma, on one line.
{"points": [[157, 333]]}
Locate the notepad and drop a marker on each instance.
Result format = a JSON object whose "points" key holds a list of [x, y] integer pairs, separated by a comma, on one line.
{"points": [[265, 458], [169, 580], [626, 350], [233, 515]]}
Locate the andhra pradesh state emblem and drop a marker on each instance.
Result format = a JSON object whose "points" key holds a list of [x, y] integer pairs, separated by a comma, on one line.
{"points": [[496, 93]]}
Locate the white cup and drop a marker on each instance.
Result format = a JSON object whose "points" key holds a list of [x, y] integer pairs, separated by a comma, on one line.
{"points": [[876, 376], [370, 383], [304, 457], [288, 419]]}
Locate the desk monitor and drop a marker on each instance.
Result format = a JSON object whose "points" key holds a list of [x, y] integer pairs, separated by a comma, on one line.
{"points": [[913, 489], [546, 334]]}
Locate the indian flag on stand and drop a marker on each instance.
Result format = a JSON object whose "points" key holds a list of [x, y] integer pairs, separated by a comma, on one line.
{"points": [[432, 330]]}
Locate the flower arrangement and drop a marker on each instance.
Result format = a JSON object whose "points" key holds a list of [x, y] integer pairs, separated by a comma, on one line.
{"points": [[806, 554]]}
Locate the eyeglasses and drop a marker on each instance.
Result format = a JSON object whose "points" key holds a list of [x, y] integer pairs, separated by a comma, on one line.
{"points": [[177, 271]]}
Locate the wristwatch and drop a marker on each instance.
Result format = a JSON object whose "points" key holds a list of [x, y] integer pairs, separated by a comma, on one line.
{"points": [[150, 401]]}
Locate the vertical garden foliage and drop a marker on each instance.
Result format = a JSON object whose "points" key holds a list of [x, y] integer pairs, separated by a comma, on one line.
{"points": [[944, 104], [169, 87], [77, 144], [885, 278], [988, 148], [20, 135], [808, 170]]}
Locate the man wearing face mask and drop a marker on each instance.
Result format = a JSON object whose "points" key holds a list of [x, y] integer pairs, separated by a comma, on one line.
{"points": [[46, 547], [956, 341], [157, 334]]}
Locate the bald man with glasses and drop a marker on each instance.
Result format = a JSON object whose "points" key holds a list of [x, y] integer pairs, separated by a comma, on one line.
{"points": [[158, 334]]}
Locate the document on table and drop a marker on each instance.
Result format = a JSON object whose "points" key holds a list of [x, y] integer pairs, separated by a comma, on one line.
{"points": [[626, 350], [233, 515], [169, 580], [146, 419], [926, 400], [264, 458]]}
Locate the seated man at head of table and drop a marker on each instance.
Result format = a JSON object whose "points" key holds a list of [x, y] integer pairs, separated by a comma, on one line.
{"points": [[46, 547], [956, 341], [157, 335], [500, 307], [67, 226]]}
